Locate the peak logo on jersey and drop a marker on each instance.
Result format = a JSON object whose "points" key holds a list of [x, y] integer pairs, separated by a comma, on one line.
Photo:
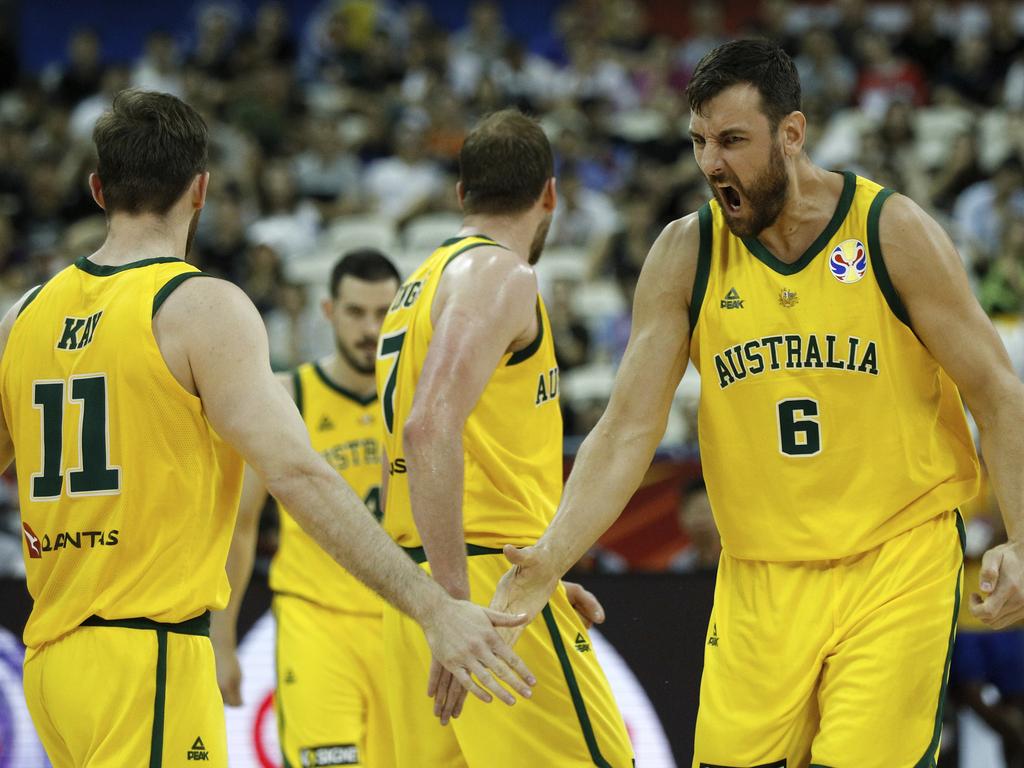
{"points": [[78, 331], [35, 546], [581, 643], [713, 639], [732, 300], [338, 754], [198, 750], [849, 261]]}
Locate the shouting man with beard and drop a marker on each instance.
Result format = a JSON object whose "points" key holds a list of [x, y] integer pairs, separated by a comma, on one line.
{"points": [[832, 324], [468, 383]]}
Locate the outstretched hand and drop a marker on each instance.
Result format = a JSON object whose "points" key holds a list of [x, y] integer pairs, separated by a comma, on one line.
{"points": [[1000, 600], [525, 588], [463, 640]]}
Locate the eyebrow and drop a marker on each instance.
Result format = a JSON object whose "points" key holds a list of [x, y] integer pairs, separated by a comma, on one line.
{"points": [[731, 131]]}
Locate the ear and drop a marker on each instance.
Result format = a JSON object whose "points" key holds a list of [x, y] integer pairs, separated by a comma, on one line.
{"points": [[327, 307], [96, 187], [792, 133], [199, 187], [549, 196], [460, 192]]}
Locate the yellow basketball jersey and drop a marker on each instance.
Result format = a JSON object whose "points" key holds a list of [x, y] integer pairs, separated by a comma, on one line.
{"points": [[128, 496], [826, 427], [345, 429], [512, 440]]}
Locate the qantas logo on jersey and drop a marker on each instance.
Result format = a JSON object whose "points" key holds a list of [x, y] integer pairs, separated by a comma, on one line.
{"points": [[849, 261], [772, 353], [78, 331], [67, 540], [340, 754]]}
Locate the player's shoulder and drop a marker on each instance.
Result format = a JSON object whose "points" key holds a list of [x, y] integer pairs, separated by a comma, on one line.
{"points": [[493, 265], [7, 323], [675, 254], [908, 233], [204, 295]]}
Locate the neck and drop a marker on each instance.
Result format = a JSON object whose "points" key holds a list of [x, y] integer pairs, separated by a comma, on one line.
{"points": [[811, 200], [146, 236], [345, 376], [514, 232]]}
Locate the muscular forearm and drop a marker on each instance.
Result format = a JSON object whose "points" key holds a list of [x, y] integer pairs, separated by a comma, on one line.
{"points": [[435, 484], [609, 467], [1002, 445], [331, 513]]}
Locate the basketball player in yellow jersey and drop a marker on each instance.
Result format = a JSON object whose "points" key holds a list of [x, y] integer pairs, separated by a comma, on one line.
{"points": [[130, 395], [468, 383], [330, 656], [832, 325]]}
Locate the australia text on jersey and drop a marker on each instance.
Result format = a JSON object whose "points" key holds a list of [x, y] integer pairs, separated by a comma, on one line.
{"points": [[771, 353]]}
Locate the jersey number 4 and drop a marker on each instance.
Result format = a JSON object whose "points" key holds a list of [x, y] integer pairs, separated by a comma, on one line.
{"points": [[93, 476], [799, 429]]}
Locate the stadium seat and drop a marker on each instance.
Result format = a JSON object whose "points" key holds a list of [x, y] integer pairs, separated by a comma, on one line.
{"points": [[360, 232], [425, 233]]}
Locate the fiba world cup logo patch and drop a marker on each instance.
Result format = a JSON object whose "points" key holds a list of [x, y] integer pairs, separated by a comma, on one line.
{"points": [[849, 261]]}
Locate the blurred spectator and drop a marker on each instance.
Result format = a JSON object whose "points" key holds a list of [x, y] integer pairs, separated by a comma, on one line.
{"points": [[1001, 287], [969, 73], [583, 217], [292, 330], [84, 72], [402, 186], [696, 521], [568, 331], [216, 33], [983, 210], [961, 170], [886, 77], [287, 222], [88, 110], [325, 171], [626, 248], [476, 45], [261, 275], [614, 334], [707, 30], [774, 20], [158, 69], [826, 77], [923, 42]]}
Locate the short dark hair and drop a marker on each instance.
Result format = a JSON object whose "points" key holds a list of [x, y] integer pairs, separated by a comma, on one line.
{"points": [[149, 148], [504, 164], [761, 63], [367, 264]]}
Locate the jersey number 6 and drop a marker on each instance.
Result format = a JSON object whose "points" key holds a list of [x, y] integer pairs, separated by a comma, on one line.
{"points": [[799, 430]]}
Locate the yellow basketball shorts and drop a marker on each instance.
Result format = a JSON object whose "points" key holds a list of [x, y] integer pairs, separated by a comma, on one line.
{"points": [[330, 701], [571, 720], [132, 692], [835, 663]]}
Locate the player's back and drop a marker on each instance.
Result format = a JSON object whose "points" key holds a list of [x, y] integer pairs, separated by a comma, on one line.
{"points": [[512, 441], [128, 496]]}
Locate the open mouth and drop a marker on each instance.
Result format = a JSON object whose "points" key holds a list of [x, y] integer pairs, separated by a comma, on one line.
{"points": [[731, 198]]}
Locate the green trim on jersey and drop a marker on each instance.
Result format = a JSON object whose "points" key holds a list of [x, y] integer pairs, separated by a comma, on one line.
{"points": [[359, 399], [297, 383], [105, 270], [169, 287], [31, 296], [700, 280], [156, 743], [469, 247], [528, 351], [457, 238], [842, 208], [419, 555], [279, 692], [200, 625], [878, 261], [574, 689]]}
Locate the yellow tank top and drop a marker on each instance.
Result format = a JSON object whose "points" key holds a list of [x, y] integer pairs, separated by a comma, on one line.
{"points": [[512, 440], [345, 429], [825, 426], [128, 496]]}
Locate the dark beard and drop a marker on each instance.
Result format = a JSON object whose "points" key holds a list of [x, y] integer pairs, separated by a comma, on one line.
{"points": [[765, 198], [537, 246], [192, 226], [358, 365]]}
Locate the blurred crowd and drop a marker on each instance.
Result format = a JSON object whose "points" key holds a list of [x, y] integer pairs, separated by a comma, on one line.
{"points": [[343, 129]]}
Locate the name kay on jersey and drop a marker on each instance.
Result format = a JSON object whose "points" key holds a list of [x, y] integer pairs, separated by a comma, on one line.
{"points": [[770, 353]]}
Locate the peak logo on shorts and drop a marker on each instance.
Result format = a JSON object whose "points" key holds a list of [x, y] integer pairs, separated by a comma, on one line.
{"points": [[849, 261], [35, 546], [198, 750], [338, 754]]}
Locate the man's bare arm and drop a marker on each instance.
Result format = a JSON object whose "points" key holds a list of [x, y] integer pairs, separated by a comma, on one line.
{"points": [[614, 457], [241, 556], [225, 341], [929, 277]]}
